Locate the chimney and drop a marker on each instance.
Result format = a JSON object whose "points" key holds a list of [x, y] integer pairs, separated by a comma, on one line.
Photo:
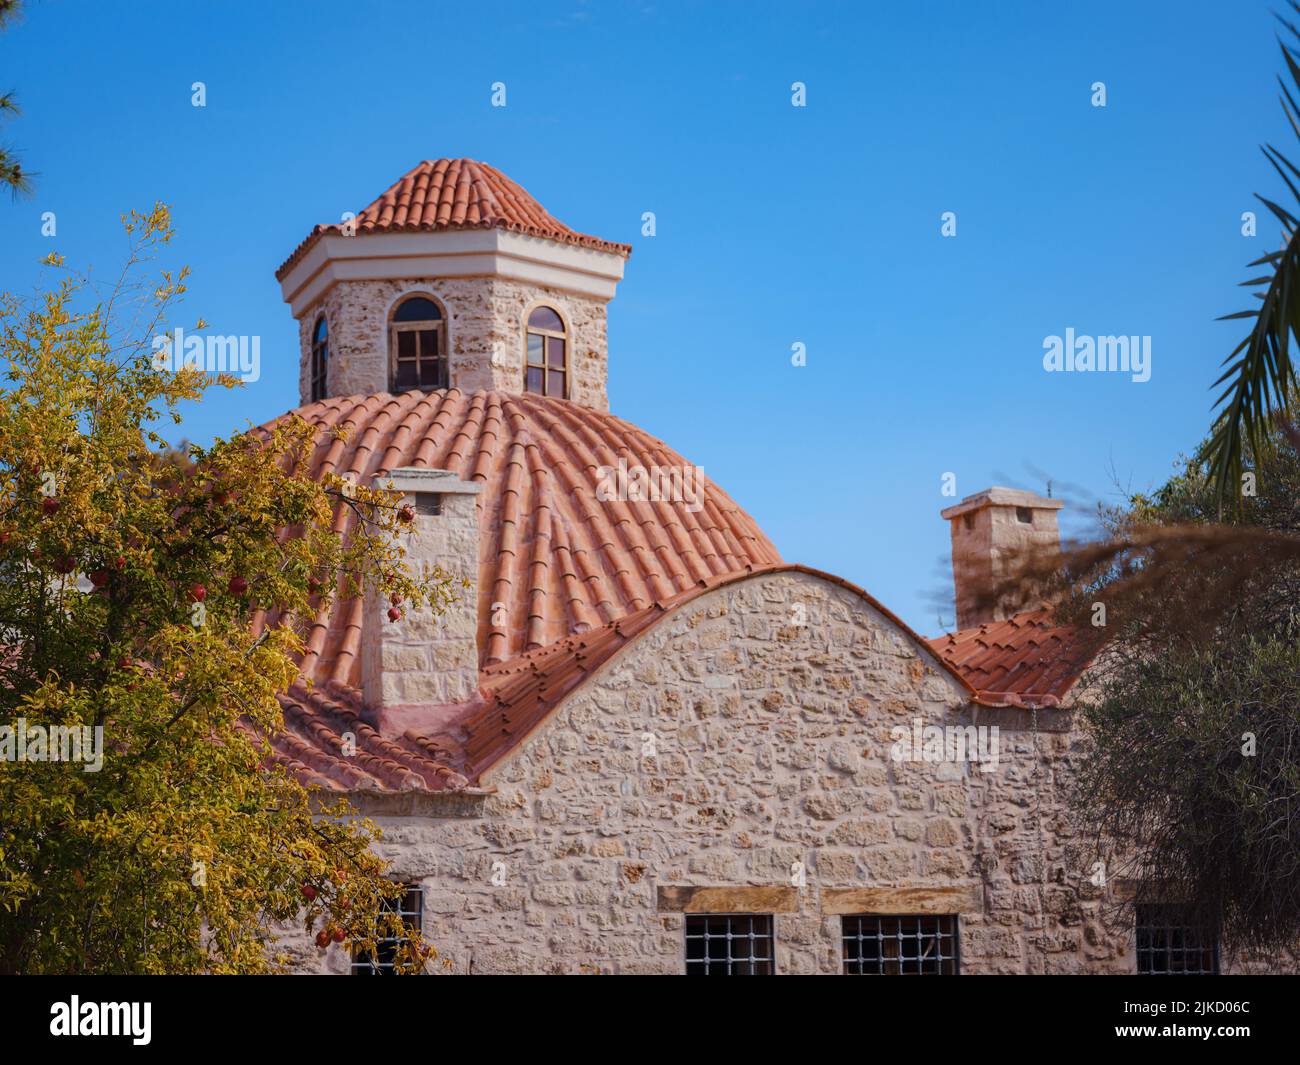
{"points": [[990, 531], [424, 661]]}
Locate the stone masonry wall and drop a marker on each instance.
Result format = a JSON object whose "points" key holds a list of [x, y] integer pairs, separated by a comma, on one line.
{"points": [[744, 738], [422, 658], [485, 319]]}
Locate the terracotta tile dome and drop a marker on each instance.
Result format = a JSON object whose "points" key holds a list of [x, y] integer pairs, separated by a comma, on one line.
{"points": [[559, 560]]}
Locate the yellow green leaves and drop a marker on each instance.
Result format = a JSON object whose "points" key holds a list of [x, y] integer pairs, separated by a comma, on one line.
{"points": [[162, 598]]}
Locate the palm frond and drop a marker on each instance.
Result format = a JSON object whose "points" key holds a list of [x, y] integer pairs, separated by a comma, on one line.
{"points": [[1259, 373]]}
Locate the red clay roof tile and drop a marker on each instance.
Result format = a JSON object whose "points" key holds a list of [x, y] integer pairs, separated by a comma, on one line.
{"points": [[312, 745], [445, 194], [1027, 660], [559, 560]]}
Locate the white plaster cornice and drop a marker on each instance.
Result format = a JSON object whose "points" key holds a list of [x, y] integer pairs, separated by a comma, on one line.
{"points": [[449, 253]]}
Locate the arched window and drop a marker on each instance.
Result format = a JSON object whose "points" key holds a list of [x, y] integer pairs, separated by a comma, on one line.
{"points": [[320, 360], [417, 347], [546, 371]]}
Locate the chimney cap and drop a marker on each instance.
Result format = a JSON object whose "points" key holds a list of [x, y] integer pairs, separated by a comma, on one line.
{"points": [[998, 496], [418, 479]]}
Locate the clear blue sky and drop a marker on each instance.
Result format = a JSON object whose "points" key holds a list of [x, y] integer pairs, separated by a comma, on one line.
{"points": [[775, 225]]}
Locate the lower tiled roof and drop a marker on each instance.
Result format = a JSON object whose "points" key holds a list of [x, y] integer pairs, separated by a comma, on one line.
{"points": [[521, 693], [1027, 660], [327, 744]]}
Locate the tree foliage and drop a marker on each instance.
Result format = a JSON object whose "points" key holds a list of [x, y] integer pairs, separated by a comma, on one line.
{"points": [[161, 596], [1192, 784]]}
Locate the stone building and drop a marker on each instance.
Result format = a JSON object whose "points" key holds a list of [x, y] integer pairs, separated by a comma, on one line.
{"points": [[643, 742]]}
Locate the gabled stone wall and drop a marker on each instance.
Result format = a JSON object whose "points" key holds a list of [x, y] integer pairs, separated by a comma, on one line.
{"points": [[747, 742]]}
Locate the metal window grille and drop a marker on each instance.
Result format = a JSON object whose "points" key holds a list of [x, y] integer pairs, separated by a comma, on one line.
{"points": [[729, 944], [1169, 943], [410, 908], [901, 946]]}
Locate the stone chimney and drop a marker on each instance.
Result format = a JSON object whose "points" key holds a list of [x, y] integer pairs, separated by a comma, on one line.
{"points": [[423, 661], [990, 531]]}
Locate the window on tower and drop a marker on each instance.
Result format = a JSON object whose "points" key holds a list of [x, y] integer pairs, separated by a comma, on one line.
{"points": [[320, 360], [546, 367], [417, 346]]}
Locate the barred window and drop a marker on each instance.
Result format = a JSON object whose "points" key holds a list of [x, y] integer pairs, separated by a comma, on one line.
{"points": [[729, 944], [1169, 943], [900, 946], [410, 908]]}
